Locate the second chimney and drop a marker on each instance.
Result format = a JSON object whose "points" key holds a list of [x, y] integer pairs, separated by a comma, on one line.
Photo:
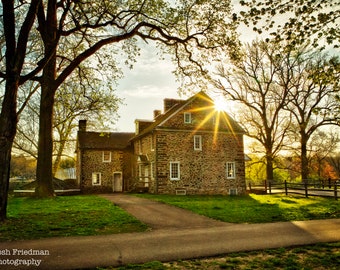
{"points": [[82, 125], [170, 102], [156, 113]]}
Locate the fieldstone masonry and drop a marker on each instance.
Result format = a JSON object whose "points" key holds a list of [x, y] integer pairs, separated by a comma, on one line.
{"points": [[202, 167]]}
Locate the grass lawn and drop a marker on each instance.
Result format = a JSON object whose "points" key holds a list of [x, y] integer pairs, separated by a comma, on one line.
{"points": [[30, 218], [255, 208], [320, 256]]}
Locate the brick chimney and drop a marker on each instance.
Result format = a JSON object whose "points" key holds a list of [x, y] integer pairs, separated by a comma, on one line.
{"points": [[156, 113], [170, 102], [140, 125], [82, 125]]}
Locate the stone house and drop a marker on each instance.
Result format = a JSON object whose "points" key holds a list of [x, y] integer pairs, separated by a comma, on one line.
{"points": [[190, 148], [103, 160]]}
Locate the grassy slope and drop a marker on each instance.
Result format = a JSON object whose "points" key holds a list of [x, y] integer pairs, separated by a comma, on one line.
{"points": [[255, 208], [30, 218]]}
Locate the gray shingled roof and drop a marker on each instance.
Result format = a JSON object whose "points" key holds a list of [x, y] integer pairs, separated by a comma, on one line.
{"points": [[234, 126], [104, 140]]}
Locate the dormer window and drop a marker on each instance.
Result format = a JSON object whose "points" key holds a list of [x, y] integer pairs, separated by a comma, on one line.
{"points": [[187, 117]]}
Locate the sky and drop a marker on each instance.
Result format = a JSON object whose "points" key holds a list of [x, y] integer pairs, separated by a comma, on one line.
{"points": [[144, 87], [150, 81]]}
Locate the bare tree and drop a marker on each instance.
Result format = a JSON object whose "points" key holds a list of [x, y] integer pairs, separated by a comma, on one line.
{"points": [[254, 82], [313, 90]]}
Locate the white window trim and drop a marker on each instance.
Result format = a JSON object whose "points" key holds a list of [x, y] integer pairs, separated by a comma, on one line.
{"points": [[178, 168], [152, 139], [94, 177], [140, 167], [199, 138], [109, 159], [187, 115], [233, 172]]}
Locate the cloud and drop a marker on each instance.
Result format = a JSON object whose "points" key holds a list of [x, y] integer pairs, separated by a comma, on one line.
{"points": [[149, 91]]}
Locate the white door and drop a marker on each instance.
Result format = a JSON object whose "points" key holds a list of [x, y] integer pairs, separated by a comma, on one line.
{"points": [[117, 184], [146, 176]]}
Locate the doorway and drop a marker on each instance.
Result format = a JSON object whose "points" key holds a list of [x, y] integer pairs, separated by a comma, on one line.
{"points": [[117, 185]]}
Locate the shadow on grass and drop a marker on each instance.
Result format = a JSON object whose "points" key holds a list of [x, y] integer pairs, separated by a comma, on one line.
{"points": [[253, 208]]}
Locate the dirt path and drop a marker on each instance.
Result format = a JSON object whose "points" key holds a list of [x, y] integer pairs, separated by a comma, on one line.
{"points": [[161, 216]]}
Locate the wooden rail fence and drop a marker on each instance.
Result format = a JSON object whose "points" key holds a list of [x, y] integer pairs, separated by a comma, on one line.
{"points": [[306, 188]]}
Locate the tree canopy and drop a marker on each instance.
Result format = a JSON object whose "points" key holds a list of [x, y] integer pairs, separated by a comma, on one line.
{"points": [[70, 32], [282, 90], [296, 21]]}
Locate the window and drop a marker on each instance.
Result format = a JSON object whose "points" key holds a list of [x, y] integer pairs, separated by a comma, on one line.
{"points": [[96, 179], [106, 156], [175, 171], [230, 170], [197, 142], [140, 167], [187, 117], [152, 142]]}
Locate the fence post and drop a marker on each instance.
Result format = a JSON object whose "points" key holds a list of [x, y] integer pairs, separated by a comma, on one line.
{"points": [[265, 186], [306, 188], [270, 186], [335, 190], [286, 187], [249, 184]]}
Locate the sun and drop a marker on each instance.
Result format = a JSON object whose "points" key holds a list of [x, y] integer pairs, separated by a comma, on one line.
{"points": [[220, 104]]}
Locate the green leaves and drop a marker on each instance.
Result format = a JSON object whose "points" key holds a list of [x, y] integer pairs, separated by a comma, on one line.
{"points": [[314, 20]]}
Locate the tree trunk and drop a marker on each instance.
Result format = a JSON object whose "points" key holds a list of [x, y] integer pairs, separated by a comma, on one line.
{"points": [[8, 122], [269, 167], [44, 175], [45, 144], [59, 152], [304, 158], [48, 31]]}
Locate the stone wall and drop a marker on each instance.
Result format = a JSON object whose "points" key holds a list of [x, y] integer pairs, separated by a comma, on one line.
{"points": [[201, 171], [92, 161]]}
